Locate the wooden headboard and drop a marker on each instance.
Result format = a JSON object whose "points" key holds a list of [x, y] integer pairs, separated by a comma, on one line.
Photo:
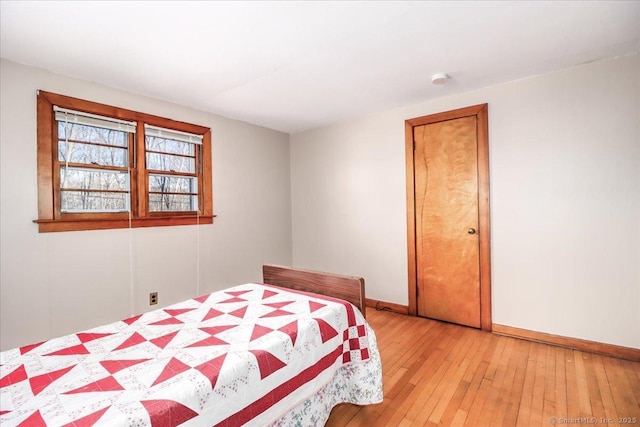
{"points": [[348, 288]]}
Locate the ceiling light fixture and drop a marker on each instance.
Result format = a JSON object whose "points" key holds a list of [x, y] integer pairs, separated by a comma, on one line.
{"points": [[439, 79]]}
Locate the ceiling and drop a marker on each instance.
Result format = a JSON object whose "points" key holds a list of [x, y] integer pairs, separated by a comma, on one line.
{"points": [[293, 66]]}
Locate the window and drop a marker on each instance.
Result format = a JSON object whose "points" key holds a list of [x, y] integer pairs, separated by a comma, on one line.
{"points": [[93, 162], [171, 162], [105, 167]]}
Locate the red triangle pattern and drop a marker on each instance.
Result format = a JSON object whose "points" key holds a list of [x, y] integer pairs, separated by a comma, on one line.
{"points": [[291, 329], [209, 341], [212, 313], [313, 306], [178, 311], [70, 351], [212, 330], [276, 313], [113, 366], [16, 376], [268, 293], [134, 339], [40, 382], [239, 312], [28, 348], [234, 299], [130, 320], [173, 368], [326, 330], [260, 331], [34, 420], [236, 293], [105, 384], [164, 340], [167, 413], [278, 304], [4, 412], [85, 337], [267, 362], [202, 298], [88, 420], [167, 321], [211, 369]]}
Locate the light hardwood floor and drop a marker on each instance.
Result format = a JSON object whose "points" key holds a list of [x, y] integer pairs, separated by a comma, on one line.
{"points": [[437, 373]]}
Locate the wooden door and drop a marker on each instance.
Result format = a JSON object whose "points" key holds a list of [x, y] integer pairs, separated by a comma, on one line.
{"points": [[449, 224], [446, 187]]}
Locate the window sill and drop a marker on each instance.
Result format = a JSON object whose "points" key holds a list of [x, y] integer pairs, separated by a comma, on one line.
{"points": [[53, 225]]}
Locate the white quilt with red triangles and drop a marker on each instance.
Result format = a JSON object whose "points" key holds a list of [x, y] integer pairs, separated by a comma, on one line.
{"points": [[244, 355]]}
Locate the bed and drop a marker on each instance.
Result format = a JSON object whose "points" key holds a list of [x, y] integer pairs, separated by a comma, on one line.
{"points": [[283, 352]]}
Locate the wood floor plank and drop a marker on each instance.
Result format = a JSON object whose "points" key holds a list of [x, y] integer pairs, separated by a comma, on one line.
{"points": [[454, 412], [582, 387], [537, 401], [437, 373], [627, 367], [537, 398], [453, 408], [561, 384], [515, 395], [573, 400], [343, 412], [429, 378], [470, 381], [391, 411], [477, 409], [459, 418], [595, 396], [474, 398], [404, 348], [604, 387], [527, 388], [424, 401], [460, 362], [549, 403], [494, 405], [624, 390]]}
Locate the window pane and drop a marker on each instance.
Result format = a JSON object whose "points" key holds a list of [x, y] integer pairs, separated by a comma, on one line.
{"points": [[170, 146], [166, 162], [74, 152], [172, 203], [93, 201], [172, 184], [91, 179], [91, 134]]}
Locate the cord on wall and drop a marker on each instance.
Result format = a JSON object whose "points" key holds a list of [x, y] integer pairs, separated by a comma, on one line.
{"points": [[378, 308], [132, 306]]}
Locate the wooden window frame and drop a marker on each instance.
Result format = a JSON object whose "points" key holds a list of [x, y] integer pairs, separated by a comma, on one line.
{"points": [[50, 217]]}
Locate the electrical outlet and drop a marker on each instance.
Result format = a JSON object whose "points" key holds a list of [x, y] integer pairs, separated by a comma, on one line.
{"points": [[153, 298]]}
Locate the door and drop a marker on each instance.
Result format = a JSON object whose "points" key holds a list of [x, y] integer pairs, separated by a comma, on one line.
{"points": [[450, 237]]}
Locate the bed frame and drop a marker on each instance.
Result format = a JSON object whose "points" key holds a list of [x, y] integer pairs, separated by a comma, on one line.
{"points": [[348, 288]]}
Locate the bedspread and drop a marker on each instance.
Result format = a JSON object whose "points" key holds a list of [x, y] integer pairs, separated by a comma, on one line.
{"points": [[246, 355]]}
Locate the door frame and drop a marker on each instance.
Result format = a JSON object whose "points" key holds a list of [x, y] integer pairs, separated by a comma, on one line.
{"points": [[484, 224]]}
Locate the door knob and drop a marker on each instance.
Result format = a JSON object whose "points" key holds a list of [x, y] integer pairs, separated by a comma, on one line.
{"points": [[472, 231]]}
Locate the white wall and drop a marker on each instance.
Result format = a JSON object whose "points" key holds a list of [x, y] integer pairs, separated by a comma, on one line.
{"points": [[565, 209], [565, 200], [58, 283]]}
